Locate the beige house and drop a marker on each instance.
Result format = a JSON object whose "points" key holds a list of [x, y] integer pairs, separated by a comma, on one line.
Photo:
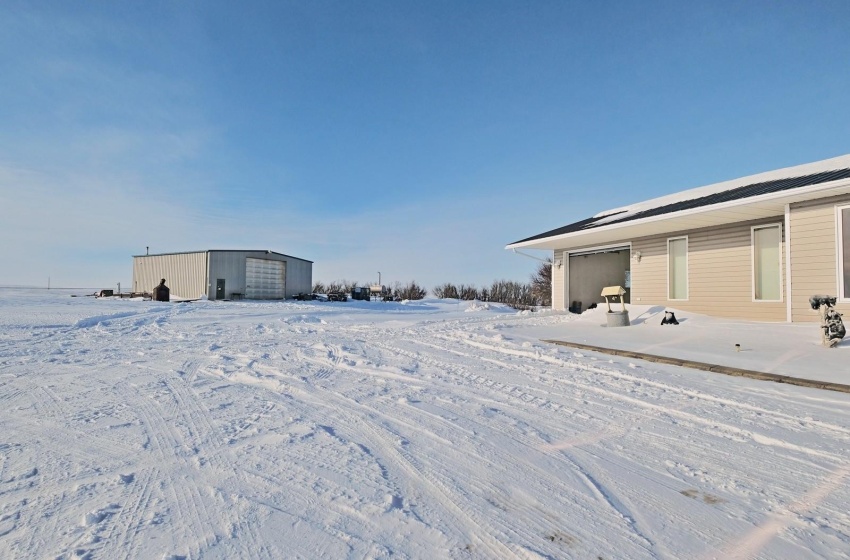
{"points": [[751, 248]]}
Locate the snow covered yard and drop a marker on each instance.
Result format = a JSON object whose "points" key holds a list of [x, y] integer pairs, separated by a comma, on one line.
{"points": [[373, 430]]}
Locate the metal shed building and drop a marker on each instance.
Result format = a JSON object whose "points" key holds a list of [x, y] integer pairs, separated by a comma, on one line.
{"points": [[224, 274]]}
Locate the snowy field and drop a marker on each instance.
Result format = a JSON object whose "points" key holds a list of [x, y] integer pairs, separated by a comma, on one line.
{"points": [[423, 430]]}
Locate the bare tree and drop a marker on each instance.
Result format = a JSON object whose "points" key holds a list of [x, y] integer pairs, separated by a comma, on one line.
{"points": [[412, 290], [335, 286], [541, 284], [445, 291], [468, 293], [512, 293]]}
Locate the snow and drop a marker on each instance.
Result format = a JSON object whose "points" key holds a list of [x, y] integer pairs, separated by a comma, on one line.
{"points": [[794, 349], [840, 162], [138, 429]]}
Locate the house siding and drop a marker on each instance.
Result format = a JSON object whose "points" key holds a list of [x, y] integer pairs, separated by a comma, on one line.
{"points": [[720, 273], [814, 255]]}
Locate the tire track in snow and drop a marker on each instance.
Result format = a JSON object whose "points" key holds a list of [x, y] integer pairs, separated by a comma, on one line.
{"points": [[605, 493], [591, 480], [192, 519], [56, 435], [825, 429], [52, 406], [196, 416], [384, 446], [682, 414], [469, 487], [122, 539], [750, 544], [336, 405], [659, 411], [614, 373], [481, 534]]}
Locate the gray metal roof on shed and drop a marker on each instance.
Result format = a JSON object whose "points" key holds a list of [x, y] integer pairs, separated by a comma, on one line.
{"points": [[224, 251]]}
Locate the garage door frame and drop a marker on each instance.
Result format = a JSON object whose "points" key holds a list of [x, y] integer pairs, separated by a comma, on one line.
{"points": [[565, 260]]}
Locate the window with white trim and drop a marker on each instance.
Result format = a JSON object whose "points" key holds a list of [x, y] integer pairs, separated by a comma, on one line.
{"points": [[677, 268], [844, 251], [767, 262]]}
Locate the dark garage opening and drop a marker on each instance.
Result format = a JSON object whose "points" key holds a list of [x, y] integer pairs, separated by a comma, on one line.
{"points": [[591, 271]]}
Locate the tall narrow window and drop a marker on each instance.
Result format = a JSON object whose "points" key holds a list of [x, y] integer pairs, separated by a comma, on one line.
{"points": [[767, 263], [844, 238], [677, 268]]}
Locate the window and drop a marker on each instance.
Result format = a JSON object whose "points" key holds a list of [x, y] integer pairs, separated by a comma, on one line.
{"points": [[844, 251], [677, 268], [767, 262]]}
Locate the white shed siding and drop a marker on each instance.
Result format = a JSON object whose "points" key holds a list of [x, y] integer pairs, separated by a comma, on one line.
{"points": [[230, 266], [193, 274], [299, 276], [184, 273]]}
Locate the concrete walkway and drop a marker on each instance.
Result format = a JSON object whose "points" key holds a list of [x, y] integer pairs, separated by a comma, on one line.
{"points": [[726, 370], [783, 352]]}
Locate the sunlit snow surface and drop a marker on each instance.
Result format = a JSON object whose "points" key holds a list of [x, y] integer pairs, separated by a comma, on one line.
{"points": [[432, 429]]}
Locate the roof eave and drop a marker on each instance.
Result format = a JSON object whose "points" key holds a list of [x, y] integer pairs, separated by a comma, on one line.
{"points": [[763, 206]]}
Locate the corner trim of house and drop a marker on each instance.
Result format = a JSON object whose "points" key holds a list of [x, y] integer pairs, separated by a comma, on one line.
{"points": [[789, 311]]}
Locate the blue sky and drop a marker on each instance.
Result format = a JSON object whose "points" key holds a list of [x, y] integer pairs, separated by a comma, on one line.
{"points": [[412, 138]]}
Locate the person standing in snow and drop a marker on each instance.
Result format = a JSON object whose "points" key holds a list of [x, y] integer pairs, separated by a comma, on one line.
{"points": [[161, 292]]}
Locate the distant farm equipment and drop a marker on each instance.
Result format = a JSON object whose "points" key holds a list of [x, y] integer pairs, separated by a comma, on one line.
{"points": [[360, 293]]}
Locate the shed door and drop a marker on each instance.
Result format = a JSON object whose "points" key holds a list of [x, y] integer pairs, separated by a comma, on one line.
{"points": [[265, 279]]}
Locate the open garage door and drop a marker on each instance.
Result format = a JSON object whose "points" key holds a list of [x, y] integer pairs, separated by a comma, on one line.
{"points": [[590, 271], [265, 279]]}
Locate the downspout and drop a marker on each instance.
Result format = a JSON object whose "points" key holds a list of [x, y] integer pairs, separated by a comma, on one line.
{"points": [[789, 315]]}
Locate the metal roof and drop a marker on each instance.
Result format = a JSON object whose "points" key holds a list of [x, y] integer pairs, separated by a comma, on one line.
{"points": [[268, 252], [734, 194]]}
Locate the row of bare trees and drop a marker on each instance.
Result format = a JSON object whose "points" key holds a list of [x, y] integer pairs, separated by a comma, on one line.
{"points": [[336, 286], [538, 292], [398, 291], [515, 294]]}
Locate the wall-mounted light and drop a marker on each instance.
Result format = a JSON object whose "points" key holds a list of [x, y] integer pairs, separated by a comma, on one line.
{"points": [[636, 256], [557, 263]]}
